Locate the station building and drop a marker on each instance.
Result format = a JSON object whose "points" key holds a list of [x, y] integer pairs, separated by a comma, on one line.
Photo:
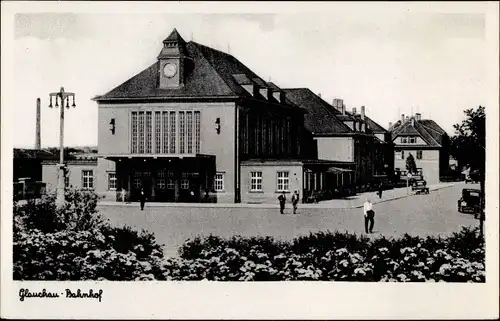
{"points": [[198, 125]]}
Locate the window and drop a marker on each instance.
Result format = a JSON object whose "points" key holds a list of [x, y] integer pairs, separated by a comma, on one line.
{"points": [[255, 181], [419, 154], [398, 154], [219, 182], [182, 132], [157, 132], [141, 133], [404, 140], [283, 181], [136, 182], [197, 132], [165, 132], [189, 116], [170, 184], [412, 140], [112, 181], [134, 132], [160, 183], [172, 132], [87, 179], [149, 136], [184, 183], [161, 173]]}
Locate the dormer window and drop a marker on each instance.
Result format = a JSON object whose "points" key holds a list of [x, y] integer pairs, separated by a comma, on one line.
{"points": [[404, 140]]}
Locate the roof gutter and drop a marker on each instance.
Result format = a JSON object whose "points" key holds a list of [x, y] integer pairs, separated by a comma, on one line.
{"points": [[160, 99]]}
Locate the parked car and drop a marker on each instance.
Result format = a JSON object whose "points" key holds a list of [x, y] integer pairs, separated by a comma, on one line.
{"points": [[420, 187], [470, 201]]}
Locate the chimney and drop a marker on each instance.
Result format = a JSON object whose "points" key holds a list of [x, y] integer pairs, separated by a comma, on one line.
{"points": [[413, 121], [343, 109], [418, 116], [402, 118], [407, 118], [390, 124], [363, 112], [354, 110], [337, 104], [38, 119]]}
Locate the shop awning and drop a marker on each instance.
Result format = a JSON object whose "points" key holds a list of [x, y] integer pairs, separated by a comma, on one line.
{"points": [[337, 170]]}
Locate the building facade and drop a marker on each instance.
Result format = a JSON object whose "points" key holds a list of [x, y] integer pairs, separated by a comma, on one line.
{"points": [[351, 140], [182, 129], [426, 141]]}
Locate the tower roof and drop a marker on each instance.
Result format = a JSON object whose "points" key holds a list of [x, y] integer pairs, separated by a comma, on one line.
{"points": [[174, 37]]}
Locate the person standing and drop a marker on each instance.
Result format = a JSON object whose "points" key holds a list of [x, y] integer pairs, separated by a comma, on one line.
{"points": [[142, 198], [369, 216], [282, 200], [295, 201], [380, 190]]}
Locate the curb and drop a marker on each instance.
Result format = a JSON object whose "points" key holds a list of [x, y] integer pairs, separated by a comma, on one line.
{"points": [[247, 205]]}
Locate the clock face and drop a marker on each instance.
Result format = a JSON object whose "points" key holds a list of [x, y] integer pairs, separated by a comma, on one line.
{"points": [[169, 70]]}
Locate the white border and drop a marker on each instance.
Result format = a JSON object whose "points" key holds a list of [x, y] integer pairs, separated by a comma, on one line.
{"points": [[295, 300]]}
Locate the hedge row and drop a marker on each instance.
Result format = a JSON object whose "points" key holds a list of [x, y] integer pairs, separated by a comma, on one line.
{"points": [[75, 243]]}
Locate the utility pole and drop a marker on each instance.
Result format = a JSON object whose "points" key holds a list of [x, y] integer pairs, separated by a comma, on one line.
{"points": [[62, 97]]}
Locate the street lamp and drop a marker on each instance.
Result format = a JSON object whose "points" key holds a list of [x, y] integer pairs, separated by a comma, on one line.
{"points": [[62, 97]]}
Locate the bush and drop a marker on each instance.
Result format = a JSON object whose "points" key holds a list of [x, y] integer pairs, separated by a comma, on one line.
{"points": [[75, 243], [332, 256]]}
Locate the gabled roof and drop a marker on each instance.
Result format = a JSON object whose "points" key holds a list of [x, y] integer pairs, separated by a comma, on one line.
{"points": [[209, 73], [427, 129], [319, 118], [374, 127]]}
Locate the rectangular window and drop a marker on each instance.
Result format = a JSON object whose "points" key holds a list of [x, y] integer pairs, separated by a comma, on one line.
{"points": [[419, 154], [149, 135], [160, 184], [88, 179], [170, 183], [256, 181], [141, 133], [189, 116], [398, 154], [197, 132], [412, 140], [283, 182], [172, 132], [182, 132], [157, 132], [403, 140], [112, 181], [219, 182], [165, 132], [134, 132], [184, 183]]}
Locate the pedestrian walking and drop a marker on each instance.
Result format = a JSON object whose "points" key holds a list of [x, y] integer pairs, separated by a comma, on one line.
{"points": [[142, 198], [369, 216], [295, 201], [380, 190], [282, 200]]}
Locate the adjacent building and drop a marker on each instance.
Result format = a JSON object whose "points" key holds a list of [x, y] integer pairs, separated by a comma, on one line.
{"points": [[350, 140], [426, 141]]}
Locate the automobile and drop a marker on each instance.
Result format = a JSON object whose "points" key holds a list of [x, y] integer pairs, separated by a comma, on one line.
{"points": [[472, 177], [470, 201], [420, 187]]}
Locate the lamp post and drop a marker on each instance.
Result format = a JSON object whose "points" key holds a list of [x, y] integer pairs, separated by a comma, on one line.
{"points": [[61, 97]]}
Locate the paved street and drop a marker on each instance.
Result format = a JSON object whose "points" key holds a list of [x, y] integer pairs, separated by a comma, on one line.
{"points": [[422, 215]]}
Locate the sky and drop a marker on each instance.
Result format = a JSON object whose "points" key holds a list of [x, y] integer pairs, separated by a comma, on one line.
{"points": [[391, 59]]}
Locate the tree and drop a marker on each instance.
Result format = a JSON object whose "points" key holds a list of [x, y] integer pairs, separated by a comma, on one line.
{"points": [[411, 166], [468, 146]]}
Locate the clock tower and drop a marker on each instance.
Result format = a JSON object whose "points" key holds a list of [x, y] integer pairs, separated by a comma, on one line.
{"points": [[171, 62]]}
